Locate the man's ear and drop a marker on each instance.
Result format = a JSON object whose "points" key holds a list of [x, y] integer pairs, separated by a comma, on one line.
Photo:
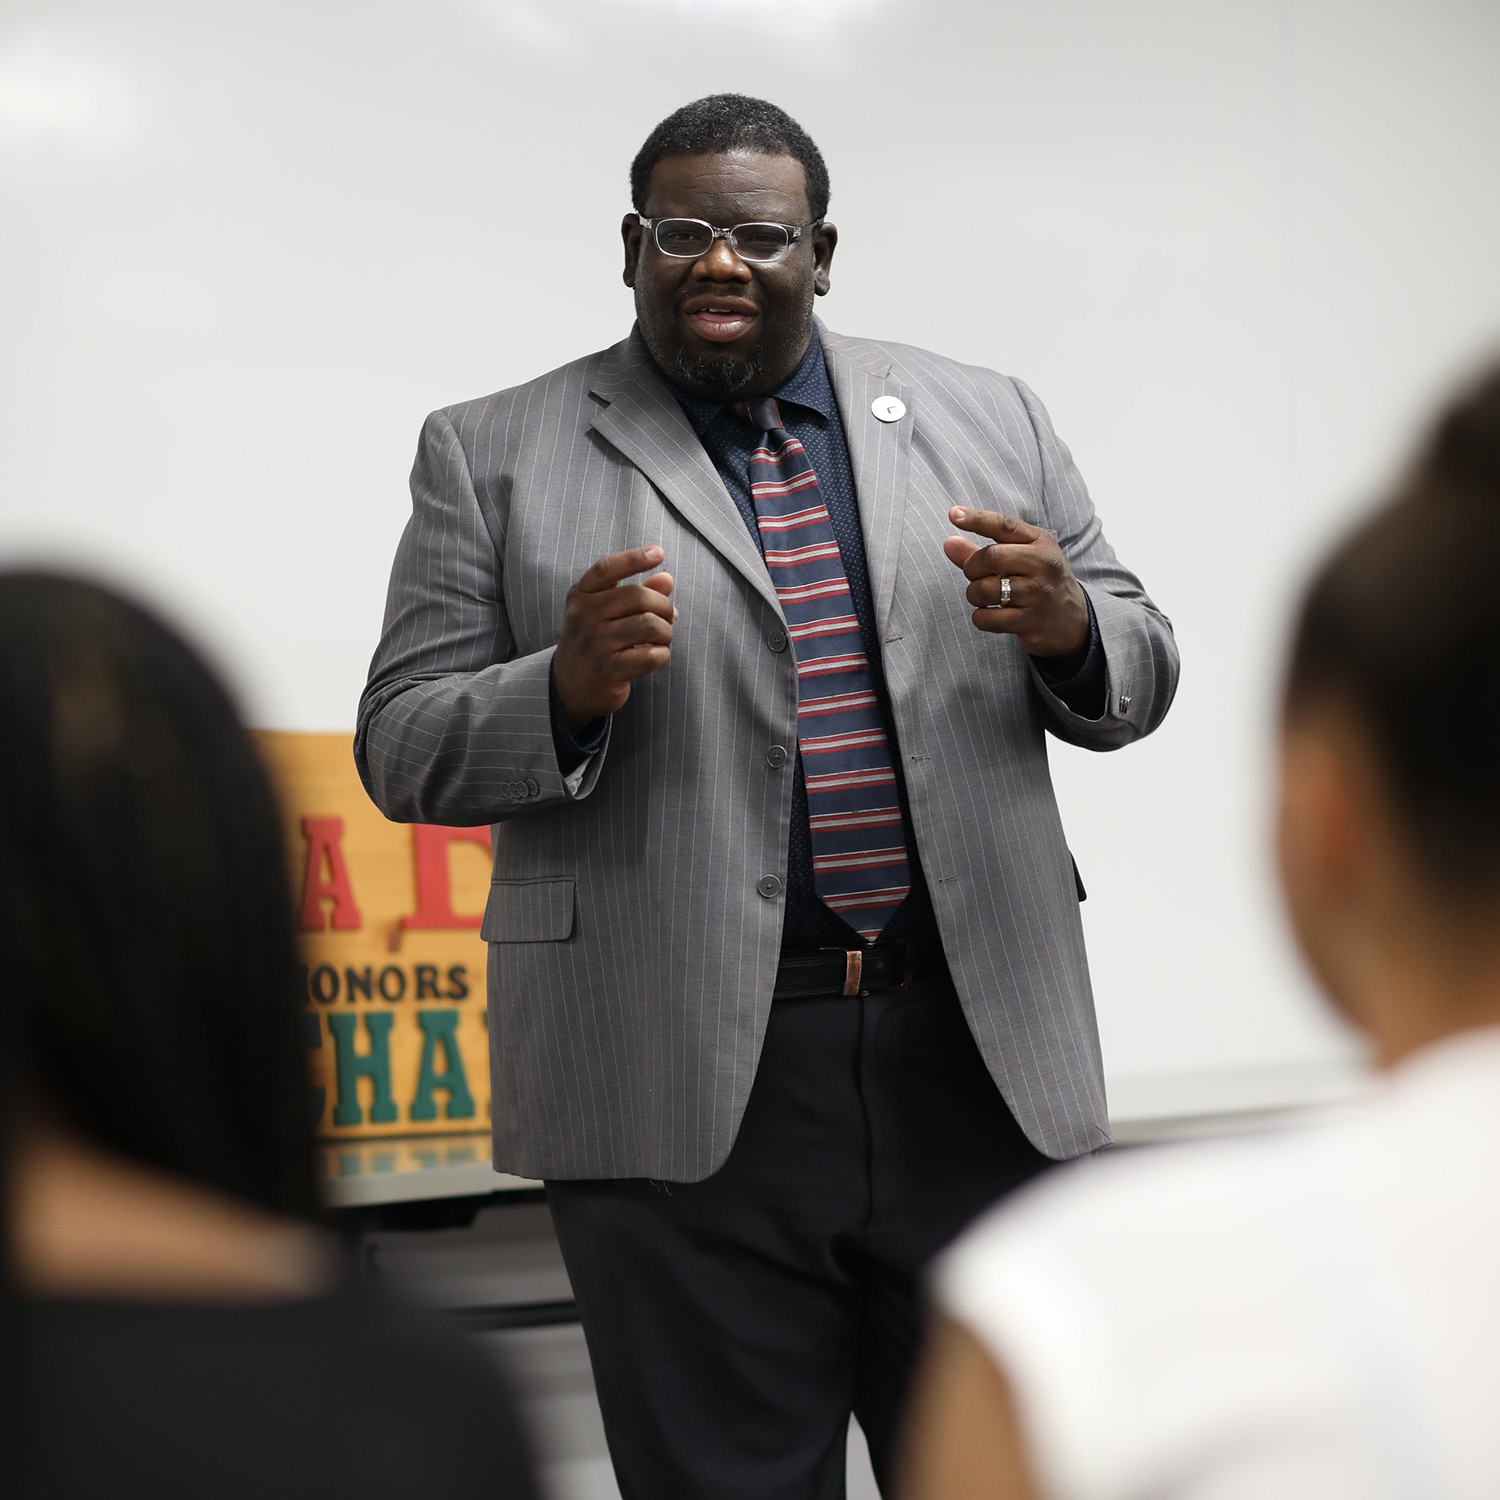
{"points": [[825, 242], [630, 232]]}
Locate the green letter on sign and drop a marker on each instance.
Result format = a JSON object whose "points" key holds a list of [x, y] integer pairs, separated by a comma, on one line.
{"points": [[350, 1066], [438, 1026]]}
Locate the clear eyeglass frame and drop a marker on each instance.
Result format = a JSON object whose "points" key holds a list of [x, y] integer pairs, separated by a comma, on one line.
{"points": [[732, 235]]}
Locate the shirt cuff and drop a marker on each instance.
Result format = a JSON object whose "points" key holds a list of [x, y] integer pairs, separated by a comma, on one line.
{"points": [[574, 750], [1085, 691]]}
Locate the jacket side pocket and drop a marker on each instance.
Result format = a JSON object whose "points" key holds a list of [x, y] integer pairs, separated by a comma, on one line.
{"points": [[529, 911]]}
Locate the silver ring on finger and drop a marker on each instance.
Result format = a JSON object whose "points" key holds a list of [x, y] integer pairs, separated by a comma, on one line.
{"points": [[1005, 593]]}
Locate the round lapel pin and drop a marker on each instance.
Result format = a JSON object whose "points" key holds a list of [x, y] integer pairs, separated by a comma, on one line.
{"points": [[888, 409]]}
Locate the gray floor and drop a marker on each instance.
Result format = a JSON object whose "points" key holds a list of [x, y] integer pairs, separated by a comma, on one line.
{"points": [[508, 1257]]}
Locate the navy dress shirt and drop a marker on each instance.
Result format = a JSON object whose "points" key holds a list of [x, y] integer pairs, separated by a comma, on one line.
{"points": [[809, 413]]}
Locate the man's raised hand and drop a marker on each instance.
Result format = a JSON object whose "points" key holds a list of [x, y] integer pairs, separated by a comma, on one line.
{"points": [[612, 633], [1044, 606]]}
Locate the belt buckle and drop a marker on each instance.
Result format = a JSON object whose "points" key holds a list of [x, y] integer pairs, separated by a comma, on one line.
{"points": [[854, 963]]}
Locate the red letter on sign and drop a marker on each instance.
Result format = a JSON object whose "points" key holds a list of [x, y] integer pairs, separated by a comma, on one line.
{"points": [[325, 842], [430, 845]]}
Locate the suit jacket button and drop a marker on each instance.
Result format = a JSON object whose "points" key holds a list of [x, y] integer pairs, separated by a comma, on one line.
{"points": [[768, 886], [776, 639], [532, 789], [776, 757]]}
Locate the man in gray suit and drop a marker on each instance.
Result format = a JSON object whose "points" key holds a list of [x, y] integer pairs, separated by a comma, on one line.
{"points": [[787, 977]]}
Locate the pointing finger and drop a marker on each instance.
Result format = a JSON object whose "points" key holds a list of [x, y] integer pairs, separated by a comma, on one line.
{"points": [[994, 524], [617, 567]]}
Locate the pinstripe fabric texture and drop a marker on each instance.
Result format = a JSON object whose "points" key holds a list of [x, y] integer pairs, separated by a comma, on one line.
{"points": [[632, 951]]}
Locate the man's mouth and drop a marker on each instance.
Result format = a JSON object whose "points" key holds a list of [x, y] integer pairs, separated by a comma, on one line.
{"points": [[721, 320]]}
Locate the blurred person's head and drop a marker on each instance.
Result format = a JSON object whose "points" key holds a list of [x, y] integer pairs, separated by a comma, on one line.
{"points": [[1389, 834], [151, 970], [150, 986]]}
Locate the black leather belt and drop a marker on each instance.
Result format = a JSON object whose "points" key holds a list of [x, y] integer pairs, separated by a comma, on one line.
{"points": [[810, 973]]}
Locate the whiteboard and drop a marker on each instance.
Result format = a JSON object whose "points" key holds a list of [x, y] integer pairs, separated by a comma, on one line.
{"points": [[1238, 249]]}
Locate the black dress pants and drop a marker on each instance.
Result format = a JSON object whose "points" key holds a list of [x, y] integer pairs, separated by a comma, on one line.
{"points": [[734, 1323]]}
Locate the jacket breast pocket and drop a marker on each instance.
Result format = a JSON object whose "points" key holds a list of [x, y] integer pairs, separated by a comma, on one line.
{"points": [[529, 911]]}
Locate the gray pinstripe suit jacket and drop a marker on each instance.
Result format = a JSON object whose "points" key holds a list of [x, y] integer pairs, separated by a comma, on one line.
{"points": [[631, 958]]}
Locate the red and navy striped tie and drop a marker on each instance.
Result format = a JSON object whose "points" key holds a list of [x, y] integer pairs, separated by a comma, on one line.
{"points": [[858, 846]]}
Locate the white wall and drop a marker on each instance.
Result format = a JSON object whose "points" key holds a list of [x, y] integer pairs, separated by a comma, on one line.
{"points": [[1239, 248]]}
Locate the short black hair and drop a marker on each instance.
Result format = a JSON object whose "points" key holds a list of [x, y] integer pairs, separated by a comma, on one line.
{"points": [[730, 122], [1401, 626]]}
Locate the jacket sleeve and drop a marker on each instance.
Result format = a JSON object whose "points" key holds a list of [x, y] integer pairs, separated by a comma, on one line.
{"points": [[1140, 652], [453, 726]]}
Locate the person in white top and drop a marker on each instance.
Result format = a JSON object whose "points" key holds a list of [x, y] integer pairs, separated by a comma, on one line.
{"points": [[1314, 1313]]}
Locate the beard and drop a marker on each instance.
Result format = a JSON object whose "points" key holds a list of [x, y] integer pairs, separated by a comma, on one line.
{"points": [[724, 377], [720, 376]]}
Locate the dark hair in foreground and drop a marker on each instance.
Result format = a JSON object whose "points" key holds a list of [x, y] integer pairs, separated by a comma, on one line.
{"points": [[150, 999], [1402, 626], [730, 122]]}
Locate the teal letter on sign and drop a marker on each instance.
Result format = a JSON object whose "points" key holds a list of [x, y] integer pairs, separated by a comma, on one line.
{"points": [[438, 1027], [350, 1066]]}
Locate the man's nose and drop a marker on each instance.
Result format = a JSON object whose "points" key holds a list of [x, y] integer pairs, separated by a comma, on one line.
{"points": [[720, 263]]}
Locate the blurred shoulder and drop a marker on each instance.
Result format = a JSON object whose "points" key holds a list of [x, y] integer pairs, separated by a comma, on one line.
{"points": [[1416, 1137], [344, 1393], [1173, 1218], [1115, 1292]]}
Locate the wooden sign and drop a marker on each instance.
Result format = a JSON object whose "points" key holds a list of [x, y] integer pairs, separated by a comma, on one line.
{"points": [[393, 963]]}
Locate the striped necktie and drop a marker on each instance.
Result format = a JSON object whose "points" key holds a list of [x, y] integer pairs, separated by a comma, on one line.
{"points": [[858, 845]]}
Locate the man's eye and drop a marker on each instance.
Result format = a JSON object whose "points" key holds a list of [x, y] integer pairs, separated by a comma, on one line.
{"points": [[683, 239], [763, 241]]}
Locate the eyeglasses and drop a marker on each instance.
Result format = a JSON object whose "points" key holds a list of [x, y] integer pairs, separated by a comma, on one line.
{"points": [[761, 244]]}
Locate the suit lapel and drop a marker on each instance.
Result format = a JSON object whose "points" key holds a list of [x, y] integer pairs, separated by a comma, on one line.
{"points": [[645, 424], [879, 453]]}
